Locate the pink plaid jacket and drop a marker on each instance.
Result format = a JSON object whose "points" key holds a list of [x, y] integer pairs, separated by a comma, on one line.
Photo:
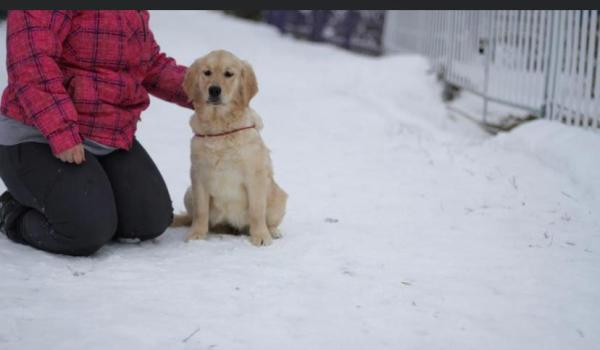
{"points": [[75, 74]]}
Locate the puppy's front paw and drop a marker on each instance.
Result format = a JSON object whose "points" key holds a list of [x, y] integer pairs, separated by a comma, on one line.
{"points": [[196, 233], [260, 238], [275, 232]]}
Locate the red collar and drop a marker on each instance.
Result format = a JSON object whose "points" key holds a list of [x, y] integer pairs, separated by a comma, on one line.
{"points": [[227, 132]]}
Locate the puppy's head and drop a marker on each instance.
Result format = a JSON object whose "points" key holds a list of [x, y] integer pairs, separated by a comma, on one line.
{"points": [[220, 80]]}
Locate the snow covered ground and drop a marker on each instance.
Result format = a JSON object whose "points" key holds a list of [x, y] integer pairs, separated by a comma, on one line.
{"points": [[405, 229]]}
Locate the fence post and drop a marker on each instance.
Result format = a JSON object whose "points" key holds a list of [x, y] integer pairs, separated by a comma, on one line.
{"points": [[486, 73], [552, 66]]}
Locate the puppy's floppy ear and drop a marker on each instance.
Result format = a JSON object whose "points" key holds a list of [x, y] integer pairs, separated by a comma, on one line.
{"points": [[190, 82], [249, 85]]}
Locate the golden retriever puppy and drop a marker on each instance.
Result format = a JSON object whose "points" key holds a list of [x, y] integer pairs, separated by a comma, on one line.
{"points": [[231, 171]]}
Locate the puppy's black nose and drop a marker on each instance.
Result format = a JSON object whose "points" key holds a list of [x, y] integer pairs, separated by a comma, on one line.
{"points": [[214, 91]]}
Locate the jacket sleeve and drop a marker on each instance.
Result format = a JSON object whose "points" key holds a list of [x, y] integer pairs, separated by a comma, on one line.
{"points": [[164, 77], [34, 44]]}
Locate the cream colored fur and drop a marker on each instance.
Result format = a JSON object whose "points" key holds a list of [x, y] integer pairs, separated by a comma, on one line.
{"points": [[232, 175]]}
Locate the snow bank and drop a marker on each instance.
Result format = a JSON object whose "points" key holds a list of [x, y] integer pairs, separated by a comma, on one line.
{"points": [[571, 150]]}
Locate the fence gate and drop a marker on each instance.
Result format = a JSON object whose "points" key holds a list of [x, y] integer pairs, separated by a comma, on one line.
{"points": [[542, 62]]}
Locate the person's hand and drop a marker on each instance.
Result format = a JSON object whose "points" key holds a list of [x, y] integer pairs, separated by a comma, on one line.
{"points": [[75, 154]]}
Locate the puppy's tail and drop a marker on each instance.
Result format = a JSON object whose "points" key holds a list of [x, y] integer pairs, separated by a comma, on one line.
{"points": [[184, 219]]}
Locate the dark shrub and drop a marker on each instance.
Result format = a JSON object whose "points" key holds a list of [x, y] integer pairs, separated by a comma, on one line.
{"points": [[254, 15]]}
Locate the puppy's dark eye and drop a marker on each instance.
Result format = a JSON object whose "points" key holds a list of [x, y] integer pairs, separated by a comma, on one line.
{"points": [[207, 73], [228, 74]]}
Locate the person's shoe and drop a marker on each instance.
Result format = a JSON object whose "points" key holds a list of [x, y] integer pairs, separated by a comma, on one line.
{"points": [[10, 211]]}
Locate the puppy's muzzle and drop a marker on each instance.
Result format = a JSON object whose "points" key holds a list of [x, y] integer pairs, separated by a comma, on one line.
{"points": [[214, 94]]}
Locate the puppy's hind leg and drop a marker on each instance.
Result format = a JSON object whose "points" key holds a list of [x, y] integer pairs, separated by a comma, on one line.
{"points": [[275, 209], [184, 219]]}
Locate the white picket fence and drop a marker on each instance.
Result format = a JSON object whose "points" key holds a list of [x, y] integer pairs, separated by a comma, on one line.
{"points": [[539, 61]]}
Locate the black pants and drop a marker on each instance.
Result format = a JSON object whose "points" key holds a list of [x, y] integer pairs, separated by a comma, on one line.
{"points": [[76, 209]]}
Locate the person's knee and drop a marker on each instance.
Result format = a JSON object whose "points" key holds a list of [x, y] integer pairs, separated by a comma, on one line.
{"points": [[85, 217], [85, 233], [142, 198], [92, 232], [146, 221], [75, 212], [157, 226], [75, 233]]}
